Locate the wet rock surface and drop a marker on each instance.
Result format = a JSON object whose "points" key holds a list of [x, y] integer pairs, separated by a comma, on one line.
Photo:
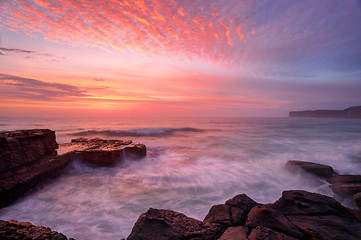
{"points": [[100, 152], [296, 215], [320, 170], [11, 230]]}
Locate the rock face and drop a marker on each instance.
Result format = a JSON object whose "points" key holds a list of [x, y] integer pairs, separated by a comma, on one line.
{"points": [[296, 215], [320, 170], [11, 230], [351, 112], [29, 157], [25, 146]]}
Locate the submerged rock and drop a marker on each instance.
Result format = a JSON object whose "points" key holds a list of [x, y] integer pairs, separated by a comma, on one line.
{"points": [[357, 198], [320, 170], [11, 230], [296, 215]]}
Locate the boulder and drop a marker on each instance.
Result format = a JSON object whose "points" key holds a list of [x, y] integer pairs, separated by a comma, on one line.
{"points": [[11, 230], [25, 146], [266, 233], [219, 214], [240, 205], [268, 217], [166, 224], [320, 170]]}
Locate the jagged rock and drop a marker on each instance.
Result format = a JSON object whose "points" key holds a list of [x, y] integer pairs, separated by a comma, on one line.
{"points": [[25, 146], [357, 198], [11, 230], [296, 215], [219, 214], [235, 233], [266, 216], [240, 207], [166, 224], [321, 170]]}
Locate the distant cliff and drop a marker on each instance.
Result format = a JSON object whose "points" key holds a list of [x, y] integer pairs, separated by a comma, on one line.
{"points": [[351, 112]]}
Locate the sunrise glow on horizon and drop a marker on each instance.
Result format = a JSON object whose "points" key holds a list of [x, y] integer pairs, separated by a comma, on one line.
{"points": [[176, 58]]}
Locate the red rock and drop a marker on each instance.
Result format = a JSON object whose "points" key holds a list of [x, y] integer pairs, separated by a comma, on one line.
{"points": [[240, 207], [24, 146], [260, 232], [167, 224], [11, 230], [219, 214], [268, 217], [235, 233]]}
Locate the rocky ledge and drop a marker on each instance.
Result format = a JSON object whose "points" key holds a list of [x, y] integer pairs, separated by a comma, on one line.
{"points": [[351, 112], [296, 215], [29, 158], [11, 230], [345, 186]]}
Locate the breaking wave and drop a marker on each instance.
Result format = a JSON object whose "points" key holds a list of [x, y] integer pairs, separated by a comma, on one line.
{"points": [[138, 132]]}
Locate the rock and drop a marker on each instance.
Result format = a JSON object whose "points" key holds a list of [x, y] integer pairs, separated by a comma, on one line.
{"points": [[327, 226], [357, 198], [99, 152], [240, 207], [267, 233], [29, 158], [318, 216], [296, 215], [266, 216], [298, 202], [167, 224], [18, 181], [219, 214], [346, 188], [11, 230], [235, 233], [320, 170], [344, 179], [345, 184], [25, 146]]}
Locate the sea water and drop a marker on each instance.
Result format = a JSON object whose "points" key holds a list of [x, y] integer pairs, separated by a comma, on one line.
{"points": [[191, 164]]}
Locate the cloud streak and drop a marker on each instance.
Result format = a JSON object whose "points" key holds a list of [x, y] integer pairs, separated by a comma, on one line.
{"points": [[12, 87]]}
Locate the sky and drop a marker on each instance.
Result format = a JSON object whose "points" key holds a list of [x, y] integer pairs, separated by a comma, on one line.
{"points": [[253, 58]]}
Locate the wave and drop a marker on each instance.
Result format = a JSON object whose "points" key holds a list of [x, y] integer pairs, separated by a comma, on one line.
{"points": [[138, 132]]}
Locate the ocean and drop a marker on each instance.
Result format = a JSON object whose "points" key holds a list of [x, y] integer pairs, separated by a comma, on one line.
{"points": [[191, 164]]}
